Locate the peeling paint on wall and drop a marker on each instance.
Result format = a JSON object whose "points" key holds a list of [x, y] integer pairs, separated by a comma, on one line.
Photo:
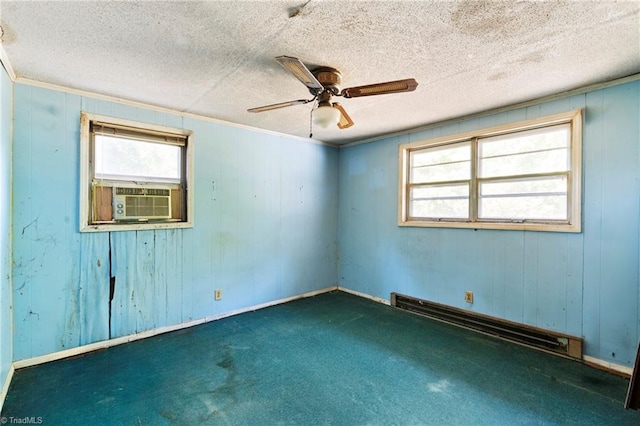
{"points": [[254, 228]]}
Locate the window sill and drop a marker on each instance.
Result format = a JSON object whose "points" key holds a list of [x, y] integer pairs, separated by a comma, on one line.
{"points": [[523, 226], [114, 227]]}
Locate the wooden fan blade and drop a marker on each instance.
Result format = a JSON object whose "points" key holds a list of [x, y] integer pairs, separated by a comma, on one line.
{"points": [[301, 72], [280, 105], [345, 120], [398, 86]]}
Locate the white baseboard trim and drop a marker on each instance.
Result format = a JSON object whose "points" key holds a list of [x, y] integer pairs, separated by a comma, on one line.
{"points": [[365, 295], [623, 369], [29, 362], [104, 344], [5, 386]]}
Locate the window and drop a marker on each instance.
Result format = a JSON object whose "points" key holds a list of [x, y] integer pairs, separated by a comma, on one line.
{"points": [[523, 176], [134, 175]]}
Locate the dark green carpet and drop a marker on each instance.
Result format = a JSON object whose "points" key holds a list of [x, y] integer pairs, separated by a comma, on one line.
{"points": [[331, 359]]}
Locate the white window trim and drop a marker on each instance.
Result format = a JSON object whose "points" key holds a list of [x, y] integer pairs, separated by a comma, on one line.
{"points": [[574, 118], [85, 178]]}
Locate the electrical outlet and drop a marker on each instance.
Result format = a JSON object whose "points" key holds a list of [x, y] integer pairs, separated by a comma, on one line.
{"points": [[468, 296], [217, 295]]}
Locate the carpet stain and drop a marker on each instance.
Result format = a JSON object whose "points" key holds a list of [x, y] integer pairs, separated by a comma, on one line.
{"points": [[227, 363], [593, 381], [168, 415], [229, 387]]}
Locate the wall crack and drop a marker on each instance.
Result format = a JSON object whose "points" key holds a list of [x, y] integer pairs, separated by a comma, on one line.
{"points": [[112, 285]]}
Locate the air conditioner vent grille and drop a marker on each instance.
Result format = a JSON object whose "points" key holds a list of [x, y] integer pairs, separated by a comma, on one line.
{"points": [[148, 206], [141, 203], [119, 190]]}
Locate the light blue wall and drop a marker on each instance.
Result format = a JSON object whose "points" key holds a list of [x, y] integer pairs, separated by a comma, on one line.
{"points": [[6, 342], [581, 284], [265, 229], [267, 212]]}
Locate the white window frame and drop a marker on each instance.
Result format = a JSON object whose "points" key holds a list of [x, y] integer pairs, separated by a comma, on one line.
{"points": [[86, 178], [574, 195]]}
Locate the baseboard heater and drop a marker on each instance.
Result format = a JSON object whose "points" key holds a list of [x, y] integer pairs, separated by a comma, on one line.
{"points": [[557, 343]]}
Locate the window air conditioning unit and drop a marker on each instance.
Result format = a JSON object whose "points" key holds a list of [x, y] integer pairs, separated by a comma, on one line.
{"points": [[141, 203]]}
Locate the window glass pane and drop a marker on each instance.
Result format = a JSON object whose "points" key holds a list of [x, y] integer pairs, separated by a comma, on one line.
{"points": [[536, 151], [440, 201], [441, 164], [118, 158], [542, 198]]}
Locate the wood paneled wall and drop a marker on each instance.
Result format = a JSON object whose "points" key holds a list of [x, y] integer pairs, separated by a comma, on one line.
{"points": [[6, 314], [580, 284], [265, 229], [268, 209]]}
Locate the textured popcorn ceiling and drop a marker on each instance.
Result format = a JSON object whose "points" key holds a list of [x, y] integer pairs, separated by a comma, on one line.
{"points": [[215, 58]]}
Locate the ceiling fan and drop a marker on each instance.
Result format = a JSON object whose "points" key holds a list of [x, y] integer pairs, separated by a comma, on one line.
{"points": [[324, 83]]}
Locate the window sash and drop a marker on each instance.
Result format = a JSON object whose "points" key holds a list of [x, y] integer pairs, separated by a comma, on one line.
{"points": [[562, 190], [107, 167], [92, 220], [474, 183], [451, 167], [529, 160], [441, 191], [562, 205], [147, 135]]}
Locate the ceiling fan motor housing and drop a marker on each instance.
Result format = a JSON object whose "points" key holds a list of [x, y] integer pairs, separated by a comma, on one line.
{"points": [[330, 78]]}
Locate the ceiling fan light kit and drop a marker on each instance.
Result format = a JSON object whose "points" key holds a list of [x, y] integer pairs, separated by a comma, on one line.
{"points": [[324, 83], [326, 115]]}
